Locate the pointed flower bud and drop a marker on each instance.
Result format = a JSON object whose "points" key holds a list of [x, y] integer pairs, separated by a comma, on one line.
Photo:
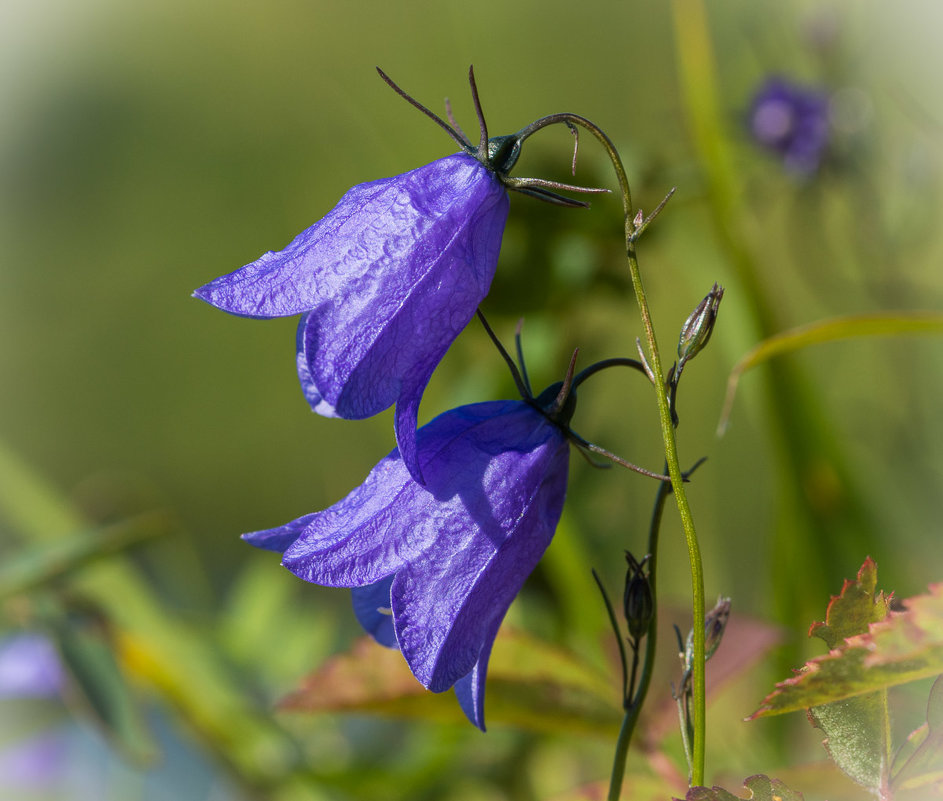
{"points": [[697, 329], [715, 621], [638, 604]]}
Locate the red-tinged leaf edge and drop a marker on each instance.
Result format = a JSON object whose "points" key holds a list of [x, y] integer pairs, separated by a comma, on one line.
{"points": [[903, 646], [850, 612], [760, 786]]}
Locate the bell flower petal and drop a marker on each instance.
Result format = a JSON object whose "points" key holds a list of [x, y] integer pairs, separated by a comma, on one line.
{"points": [[470, 689], [436, 567], [385, 281], [374, 612]]}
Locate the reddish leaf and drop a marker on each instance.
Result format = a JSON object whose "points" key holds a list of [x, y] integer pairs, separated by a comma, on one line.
{"points": [[851, 612], [762, 788], [903, 647], [530, 684]]}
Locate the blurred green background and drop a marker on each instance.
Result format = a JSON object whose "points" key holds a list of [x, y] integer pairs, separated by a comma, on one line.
{"points": [[147, 148]]}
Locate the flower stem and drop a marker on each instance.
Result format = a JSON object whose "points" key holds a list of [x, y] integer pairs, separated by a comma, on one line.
{"points": [[634, 707], [667, 430]]}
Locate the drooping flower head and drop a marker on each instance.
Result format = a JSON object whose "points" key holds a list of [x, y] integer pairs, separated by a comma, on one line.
{"points": [[388, 278], [792, 121], [434, 568]]}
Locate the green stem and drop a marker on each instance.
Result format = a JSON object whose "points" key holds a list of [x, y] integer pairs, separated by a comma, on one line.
{"points": [[634, 708], [687, 520], [667, 426], [622, 751]]}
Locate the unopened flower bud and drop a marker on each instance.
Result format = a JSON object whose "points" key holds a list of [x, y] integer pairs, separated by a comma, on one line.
{"points": [[715, 621], [637, 600], [699, 326]]}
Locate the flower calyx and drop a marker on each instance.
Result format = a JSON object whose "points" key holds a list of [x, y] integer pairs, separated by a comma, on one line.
{"points": [[498, 153], [557, 402]]}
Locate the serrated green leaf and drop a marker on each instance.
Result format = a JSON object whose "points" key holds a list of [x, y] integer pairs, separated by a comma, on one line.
{"points": [[923, 768], [852, 611], [708, 794], [837, 328], [762, 788], [855, 728], [856, 737], [903, 647], [531, 684], [912, 636]]}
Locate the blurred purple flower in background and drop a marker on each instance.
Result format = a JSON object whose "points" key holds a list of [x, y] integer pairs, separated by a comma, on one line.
{"points": [[435, 568], [30, 670], [30, 667], [385, 281], [792, 121]]}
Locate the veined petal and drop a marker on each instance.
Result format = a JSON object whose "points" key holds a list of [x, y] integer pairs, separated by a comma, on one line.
{"points": [[379, 342], [308, 387], [315, 263], [390, 520], [385, 281], [448, 601], [278, 539], [373, 611], [470, 689]]}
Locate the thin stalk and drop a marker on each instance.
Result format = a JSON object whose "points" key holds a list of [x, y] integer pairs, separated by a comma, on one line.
{"points": [[667, 431], [615, 630], [635, 644], [633, 708]]}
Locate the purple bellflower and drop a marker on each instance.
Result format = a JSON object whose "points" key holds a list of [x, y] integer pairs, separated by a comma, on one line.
{"points": [[793, 122], [434, 568], [388, 278]]}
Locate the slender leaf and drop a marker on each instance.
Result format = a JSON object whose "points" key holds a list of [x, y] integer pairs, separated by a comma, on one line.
{"points": [[44, 563], [173, 657], [832, 330], [98, 682]]}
